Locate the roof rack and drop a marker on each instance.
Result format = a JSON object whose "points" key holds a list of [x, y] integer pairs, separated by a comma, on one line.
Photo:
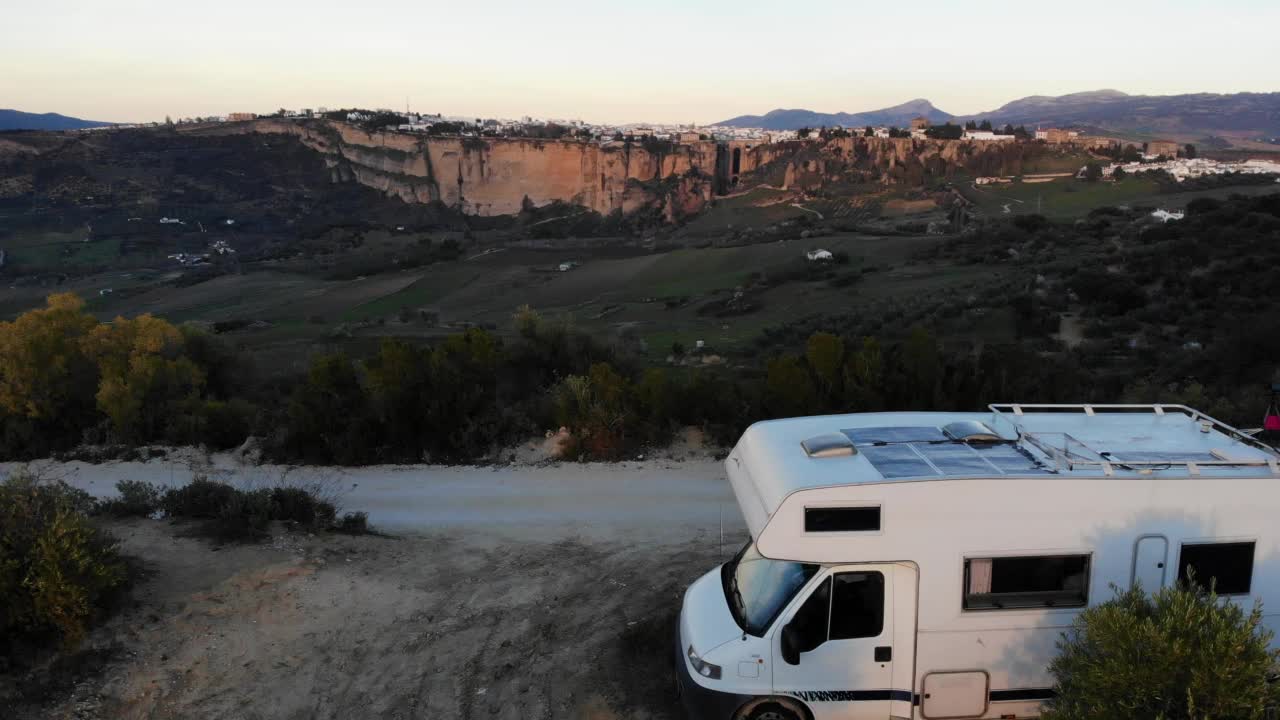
{"points": [[1074, 454]]}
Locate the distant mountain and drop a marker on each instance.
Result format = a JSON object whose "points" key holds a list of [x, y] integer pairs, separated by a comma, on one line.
{"points": [[899, 115], [18, 120], [1240, 115], [1197, 115]]}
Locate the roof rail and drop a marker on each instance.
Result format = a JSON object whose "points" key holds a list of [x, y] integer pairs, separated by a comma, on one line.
{"points": [[1068, 459]]}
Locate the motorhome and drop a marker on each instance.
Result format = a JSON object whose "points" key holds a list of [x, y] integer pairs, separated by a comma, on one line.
{"points": [[924, 565]]}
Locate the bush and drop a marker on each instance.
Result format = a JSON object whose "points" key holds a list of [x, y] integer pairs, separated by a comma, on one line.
{"points": [[137, 499], [201, 499], [245, 516], [292, 504], [353, 523], [57, 571], [1178, 654], [229, 514]]}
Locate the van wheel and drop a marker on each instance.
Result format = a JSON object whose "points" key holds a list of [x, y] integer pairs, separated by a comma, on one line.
{"points": [[772, 711]]}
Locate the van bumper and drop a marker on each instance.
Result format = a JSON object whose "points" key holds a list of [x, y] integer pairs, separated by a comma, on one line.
{"points": [[701, 703]]}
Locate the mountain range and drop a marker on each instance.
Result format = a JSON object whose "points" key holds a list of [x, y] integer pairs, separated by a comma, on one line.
{"points": [[18, 120], [1240, 115], [795, 119]]}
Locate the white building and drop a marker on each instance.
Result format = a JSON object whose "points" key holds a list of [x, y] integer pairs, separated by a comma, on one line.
{"points": [[985, 135]]}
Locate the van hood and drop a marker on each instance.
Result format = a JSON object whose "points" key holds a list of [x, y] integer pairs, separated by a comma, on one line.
{"points": [[705, 620]]}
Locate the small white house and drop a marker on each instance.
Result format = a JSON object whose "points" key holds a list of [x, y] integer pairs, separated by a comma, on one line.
{"points": [[819, 255]]}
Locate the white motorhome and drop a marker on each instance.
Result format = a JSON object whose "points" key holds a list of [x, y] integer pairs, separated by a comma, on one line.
{"points": [[924, 565]]}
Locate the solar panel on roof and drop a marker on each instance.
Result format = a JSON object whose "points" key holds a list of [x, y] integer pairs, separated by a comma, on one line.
{"points": [[1009, 459], [950, 459], [872, 435], [897, 461], [956, 459]]}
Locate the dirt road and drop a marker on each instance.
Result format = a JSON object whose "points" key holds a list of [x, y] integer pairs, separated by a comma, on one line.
{"points": [[544, 592]]}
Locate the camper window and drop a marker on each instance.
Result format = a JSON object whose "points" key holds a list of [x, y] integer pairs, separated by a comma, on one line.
{"points": [[1228, 566], [857, 606], [842, 519], [854, 610], [1026, 582]]}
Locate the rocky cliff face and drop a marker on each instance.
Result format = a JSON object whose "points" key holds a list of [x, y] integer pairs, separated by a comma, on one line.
{"points": [[498, 176], [890, 161]]}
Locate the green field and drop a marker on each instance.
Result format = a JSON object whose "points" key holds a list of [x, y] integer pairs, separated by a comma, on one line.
{"points": [[1064, 198]]}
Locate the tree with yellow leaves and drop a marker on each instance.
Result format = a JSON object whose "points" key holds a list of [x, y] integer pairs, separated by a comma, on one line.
{"points": [[147, 388]]}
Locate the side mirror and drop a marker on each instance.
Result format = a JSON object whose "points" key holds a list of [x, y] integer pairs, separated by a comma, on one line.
{"points": [[791, 645]]}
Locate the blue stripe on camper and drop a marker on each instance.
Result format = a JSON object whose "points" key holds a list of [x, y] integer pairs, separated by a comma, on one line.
{"points": [[1011, 695], [851, 695], [1021, 694]]}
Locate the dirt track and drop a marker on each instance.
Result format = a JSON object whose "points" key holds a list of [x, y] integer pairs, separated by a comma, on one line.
{"points": [[544, 621]]}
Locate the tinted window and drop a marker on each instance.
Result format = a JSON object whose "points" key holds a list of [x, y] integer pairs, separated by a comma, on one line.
{"points": [[841, 519], [1025, 582], [811, 619], [1227, 566], [857, 605]]}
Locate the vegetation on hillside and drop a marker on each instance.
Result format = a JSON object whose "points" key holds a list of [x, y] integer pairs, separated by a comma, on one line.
{"points": [[1178, 311]]}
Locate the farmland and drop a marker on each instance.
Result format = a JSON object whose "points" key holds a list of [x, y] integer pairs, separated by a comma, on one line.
{"points": [[317, 266]]}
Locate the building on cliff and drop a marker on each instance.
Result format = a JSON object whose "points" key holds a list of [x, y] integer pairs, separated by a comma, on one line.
{"points": [[1167, 148], [920, 123], [986, 135], [241, 116], [1055, 136]]}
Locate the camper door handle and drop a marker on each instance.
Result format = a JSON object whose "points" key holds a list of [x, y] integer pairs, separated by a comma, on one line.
{"points": [[884, 653]]}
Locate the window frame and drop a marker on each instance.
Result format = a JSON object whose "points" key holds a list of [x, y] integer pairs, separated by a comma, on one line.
{"points": [[1253, 557], [1029, 555], [832, 606], [879, 508]]}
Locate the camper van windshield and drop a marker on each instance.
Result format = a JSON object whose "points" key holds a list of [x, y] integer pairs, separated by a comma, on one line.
{"points": [[758, 588]]}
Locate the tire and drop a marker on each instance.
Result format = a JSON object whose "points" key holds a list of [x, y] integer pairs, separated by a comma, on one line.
{"points": [[772, 710]]}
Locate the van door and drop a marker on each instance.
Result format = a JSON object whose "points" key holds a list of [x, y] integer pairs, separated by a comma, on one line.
{"points": [[835, 648], [1149, 561]]}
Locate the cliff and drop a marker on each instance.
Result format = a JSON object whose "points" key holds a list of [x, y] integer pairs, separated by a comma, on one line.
{"points": [[497, 176]]}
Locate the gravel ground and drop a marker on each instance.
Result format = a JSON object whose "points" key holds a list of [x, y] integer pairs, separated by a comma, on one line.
{"points": [[519, 592]]}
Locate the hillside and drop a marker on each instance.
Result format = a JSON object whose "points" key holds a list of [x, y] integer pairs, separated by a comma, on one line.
{"points": [[1239, 116], [18, 120], [795, 119]]}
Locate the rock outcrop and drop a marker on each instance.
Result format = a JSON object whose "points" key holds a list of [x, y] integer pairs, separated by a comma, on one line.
{"points": [[501, 176], [498, 176]]}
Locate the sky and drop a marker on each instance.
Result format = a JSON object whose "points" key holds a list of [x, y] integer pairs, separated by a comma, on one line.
{"points": [[673, 61]]}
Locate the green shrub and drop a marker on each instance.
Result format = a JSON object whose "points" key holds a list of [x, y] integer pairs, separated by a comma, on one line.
{"points": [[353, 523], [244, 516], [57, 571], [1178, 654], [202, 499], [302, 506], [229, 514], [137, 499]]}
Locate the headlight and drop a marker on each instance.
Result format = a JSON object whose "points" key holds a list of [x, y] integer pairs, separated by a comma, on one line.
{"points": [[703, 668]]}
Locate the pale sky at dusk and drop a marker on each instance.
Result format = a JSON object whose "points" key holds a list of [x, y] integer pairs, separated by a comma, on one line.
{"points": [[659, 61]]}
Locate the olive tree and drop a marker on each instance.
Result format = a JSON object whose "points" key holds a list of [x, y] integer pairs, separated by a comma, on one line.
{"points": [[1182, 653]]}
